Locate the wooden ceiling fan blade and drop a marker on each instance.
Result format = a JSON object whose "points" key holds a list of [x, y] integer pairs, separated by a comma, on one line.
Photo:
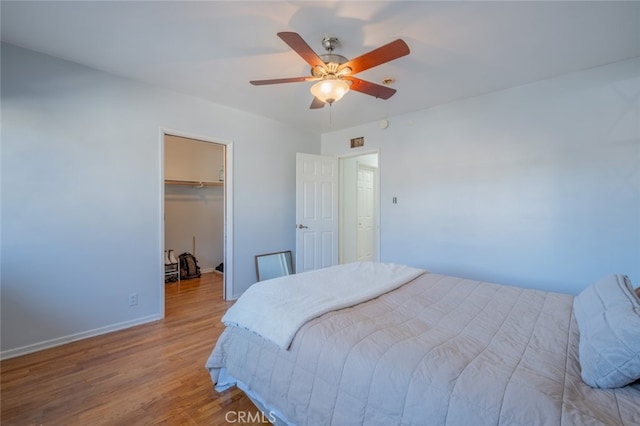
{"points": [[394, 50], [372, 89], [301, 47], [279, 80], [316, 103]]}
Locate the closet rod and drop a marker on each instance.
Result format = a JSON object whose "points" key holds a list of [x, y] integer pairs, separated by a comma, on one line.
{"points": [[195, 183]]}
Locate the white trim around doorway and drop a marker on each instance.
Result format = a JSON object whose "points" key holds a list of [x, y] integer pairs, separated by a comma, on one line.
{"points": [[228, 209]]}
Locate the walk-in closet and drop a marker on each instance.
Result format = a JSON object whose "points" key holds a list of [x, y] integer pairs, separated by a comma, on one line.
{"points": [[194, 201]]}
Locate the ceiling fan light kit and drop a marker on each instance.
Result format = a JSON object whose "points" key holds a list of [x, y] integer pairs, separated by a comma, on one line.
{"points": [[333, 73], [330, 90]]}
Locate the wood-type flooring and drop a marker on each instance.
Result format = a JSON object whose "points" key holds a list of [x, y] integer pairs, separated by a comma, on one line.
{"points": [[151, 374]]}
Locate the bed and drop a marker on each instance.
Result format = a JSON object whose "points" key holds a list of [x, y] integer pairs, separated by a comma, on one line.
{"points": [[388, 344]]}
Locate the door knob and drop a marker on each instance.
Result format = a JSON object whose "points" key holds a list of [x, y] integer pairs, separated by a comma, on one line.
{"points": [[301, 226]]}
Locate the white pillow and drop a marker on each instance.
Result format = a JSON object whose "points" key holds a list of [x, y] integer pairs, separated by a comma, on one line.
{"points": [[608, 316]]}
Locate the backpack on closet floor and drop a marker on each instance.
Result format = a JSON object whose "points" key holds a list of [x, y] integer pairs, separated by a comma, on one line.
{"points": [[188, 266]]}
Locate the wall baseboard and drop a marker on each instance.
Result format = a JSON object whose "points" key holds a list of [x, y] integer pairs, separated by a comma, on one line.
{"points": [[47, 344]]}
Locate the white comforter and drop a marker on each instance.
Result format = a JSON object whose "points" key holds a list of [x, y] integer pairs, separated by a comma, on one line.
{"points": [[275, 309]]}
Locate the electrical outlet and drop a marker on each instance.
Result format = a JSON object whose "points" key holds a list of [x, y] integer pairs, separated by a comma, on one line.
{"points": [[133, 299]]}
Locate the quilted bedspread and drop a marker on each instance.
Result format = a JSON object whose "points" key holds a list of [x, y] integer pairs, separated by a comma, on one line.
{"points": [[437, 350], [277, 308]]}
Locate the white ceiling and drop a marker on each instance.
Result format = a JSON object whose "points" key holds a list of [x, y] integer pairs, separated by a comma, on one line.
{"points": [[211, 49]]}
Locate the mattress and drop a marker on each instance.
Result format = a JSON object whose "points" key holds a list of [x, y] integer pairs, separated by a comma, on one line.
{"points": [[436, 350]]}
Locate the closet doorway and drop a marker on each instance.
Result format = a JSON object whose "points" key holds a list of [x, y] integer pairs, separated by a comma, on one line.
{"points": [[359, 208], [196, 206]]}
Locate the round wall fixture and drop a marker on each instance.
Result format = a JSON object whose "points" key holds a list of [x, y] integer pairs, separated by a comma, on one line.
{"points": [[383, 124]]}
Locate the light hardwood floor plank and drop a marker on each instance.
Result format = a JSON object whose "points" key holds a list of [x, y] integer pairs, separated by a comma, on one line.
{"points": [[148, 374]]}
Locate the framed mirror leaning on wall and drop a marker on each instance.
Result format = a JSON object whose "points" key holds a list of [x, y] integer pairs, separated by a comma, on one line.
{"points": [[274, 265]]}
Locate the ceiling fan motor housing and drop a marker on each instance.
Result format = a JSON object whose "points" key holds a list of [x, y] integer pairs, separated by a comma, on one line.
{"points": [[332, 61]]}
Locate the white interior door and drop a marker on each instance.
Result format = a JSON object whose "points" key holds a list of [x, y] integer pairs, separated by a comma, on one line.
{"points": [[316, 212], [365, 212]]}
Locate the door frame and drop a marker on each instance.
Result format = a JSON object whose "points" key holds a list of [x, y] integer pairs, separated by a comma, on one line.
{"points": [[228, 210], [376, 233]]}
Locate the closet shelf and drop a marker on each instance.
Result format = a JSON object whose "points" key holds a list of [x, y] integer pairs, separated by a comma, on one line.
{"points": [[194, 183]]}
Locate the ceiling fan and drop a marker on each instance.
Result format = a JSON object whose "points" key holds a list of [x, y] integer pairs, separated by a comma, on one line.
{"points": [[334, 73]]}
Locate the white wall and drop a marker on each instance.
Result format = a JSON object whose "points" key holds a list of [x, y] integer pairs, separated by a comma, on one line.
{"points": [[538, 185], [192, 160], [82, 195]]}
